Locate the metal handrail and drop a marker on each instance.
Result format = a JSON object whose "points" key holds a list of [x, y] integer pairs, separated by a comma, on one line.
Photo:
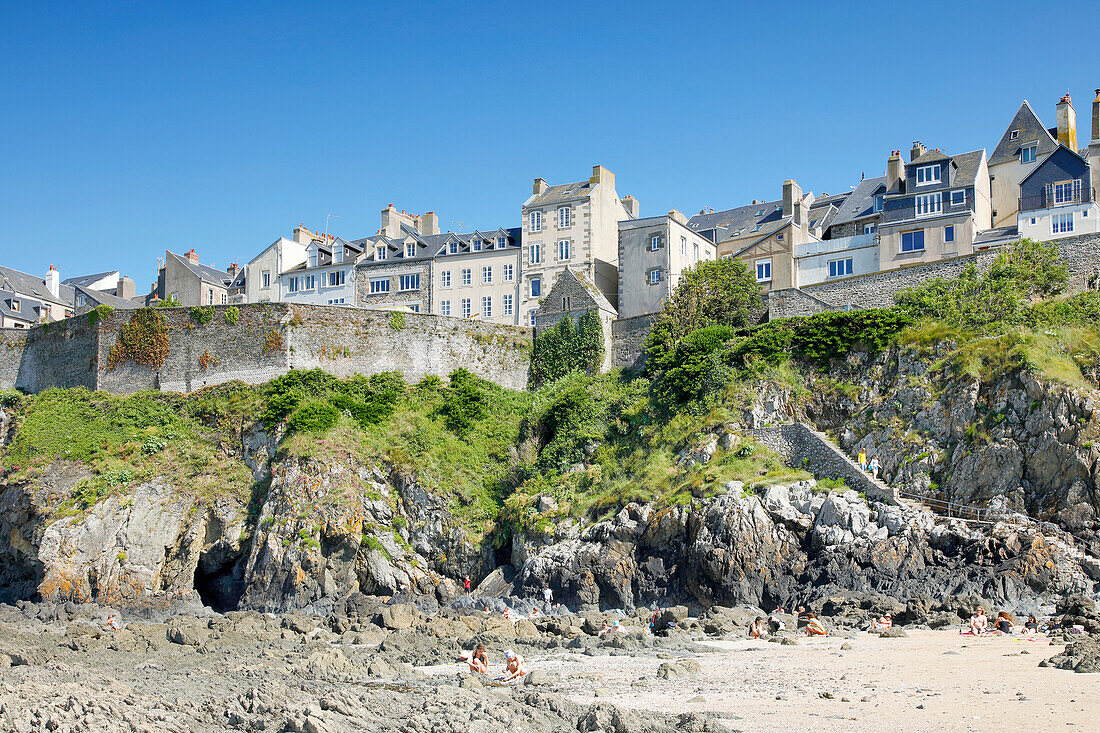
{"points": [[1040, 201], [987, 515]]}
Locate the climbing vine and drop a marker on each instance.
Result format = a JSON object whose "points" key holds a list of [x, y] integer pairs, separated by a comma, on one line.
{"points": [[273, 341], [232, 315], [144, 340], [202, 316], [567, 347], [99, 314]]}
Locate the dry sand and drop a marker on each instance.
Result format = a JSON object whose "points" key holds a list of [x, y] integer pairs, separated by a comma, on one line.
{"points": [[930, 681]]}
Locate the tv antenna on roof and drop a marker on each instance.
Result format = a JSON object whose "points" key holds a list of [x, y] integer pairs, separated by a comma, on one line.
{"points": [[459, 225], [327, 217]]}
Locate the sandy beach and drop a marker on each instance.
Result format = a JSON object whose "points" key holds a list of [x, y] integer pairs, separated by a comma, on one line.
{"points": [[932, 680]]}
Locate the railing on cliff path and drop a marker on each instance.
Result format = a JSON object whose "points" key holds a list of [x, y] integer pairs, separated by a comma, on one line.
{"points": [[987, 515]]}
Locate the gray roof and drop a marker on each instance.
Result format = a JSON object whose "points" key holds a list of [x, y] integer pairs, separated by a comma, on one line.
{"points": [[561, 193], [208, 274], [428, 246], [1029, 130], [29, 308], [1000, 235], [968, 166], [24, 284], [732, 223], [87, 280], [104, 298], [861, 201]]}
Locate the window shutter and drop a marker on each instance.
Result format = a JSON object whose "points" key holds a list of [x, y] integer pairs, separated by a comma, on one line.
{"points": [[1048, 193], [1076, 189]]}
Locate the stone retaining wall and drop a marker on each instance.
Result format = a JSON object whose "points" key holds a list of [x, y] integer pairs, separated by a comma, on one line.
{"points": [[627, 338]]}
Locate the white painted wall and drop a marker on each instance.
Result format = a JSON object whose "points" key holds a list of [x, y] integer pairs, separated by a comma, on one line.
{"points": [[1037, 224], [812, 258]]}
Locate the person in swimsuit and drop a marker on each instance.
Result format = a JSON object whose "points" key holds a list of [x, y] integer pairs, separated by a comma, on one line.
{"points": [[979, 622], [479, 660], [514, 666]]}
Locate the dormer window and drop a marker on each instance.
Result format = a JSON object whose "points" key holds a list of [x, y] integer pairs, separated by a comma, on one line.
{"points": [[453, 247], [476, 245], [380, 253], [502, 242], [1027, 153], [877, 204], [14, 306], [410, 250], [338, 255], [1014, 134], [927, 174]]}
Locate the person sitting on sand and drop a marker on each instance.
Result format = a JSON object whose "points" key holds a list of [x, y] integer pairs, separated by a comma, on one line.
{"points": [[775, 625], [514, 666], [113, 623], [1004, 623], [813, 626], [605, 629], [1032, 623], [479, 660], [617, 628], [979, 622], [757, 628], [882, 623]]}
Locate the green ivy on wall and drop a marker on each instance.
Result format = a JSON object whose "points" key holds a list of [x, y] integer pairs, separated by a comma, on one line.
{"points": [[144, 340], [568, 346]]}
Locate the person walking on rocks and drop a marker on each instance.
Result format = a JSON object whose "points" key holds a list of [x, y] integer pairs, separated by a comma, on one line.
{"points": [[862, 460], [873, 466], [466, 585], [547, 595]]}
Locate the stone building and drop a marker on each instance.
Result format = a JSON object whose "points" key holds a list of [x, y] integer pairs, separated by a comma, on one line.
{"points": [[477, 275], [572, 225], [184, 278], [572, 296], [653, 253]]}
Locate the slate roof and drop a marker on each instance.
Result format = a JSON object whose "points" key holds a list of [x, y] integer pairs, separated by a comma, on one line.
{"points": [[429, 246], [29, 308], [732, 223], [561, 193], [860, 202], [1000, 235], [87, 280], [551, 303], [25, 284], [104, 298], [207, 274], [1030, 130]]}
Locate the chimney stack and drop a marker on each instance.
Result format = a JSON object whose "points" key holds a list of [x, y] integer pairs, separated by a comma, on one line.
{"points": [[1067, 123], [428, 223], [192, 256], [631, 205], [917, 150], [540, 186], [1094, 144], [677, 217], [602, 175], [53, 282], [895, 171], [125, 288], [793, 204]]}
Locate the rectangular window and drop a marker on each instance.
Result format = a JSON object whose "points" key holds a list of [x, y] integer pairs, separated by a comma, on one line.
{"points": [[486, 275], [912, 241], [563, 249], [311, 282], [655, 243], [565, 216], [445, 307], [840, 268], [868, 228], [380, 285], [15, 306], [1014, 134], [695, 252], [877, 205], [928, 174], [225, 298], [949, 234], [465, 307], [531, 318], [506, 305], [1061, 223], [210, 296], [683, 246], [763, 270], [265, 279], [1063, 192], [415, 307], [410, 282], [929, 204], [336, 278], [337, 255], [535, 222], [453, 247], [502, 242], [535, 252], [654, 276], [536, 287], [467, 276], [508, 273], [476, 245], [1027, 153], [292, 284], [486, 306], [958, 198], [410, 250], [380, 253], [566, 304], [445, 279]]}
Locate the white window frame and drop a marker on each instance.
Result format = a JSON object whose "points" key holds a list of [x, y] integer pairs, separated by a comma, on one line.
{"points": [[445, 279], [210, 296], [410, 250], [409, 282], [764, 270], [655, 276], [507, 306], [508, 272], [655, 243], [14, 305], [695, 252], [912, 249], [486, 306], [1062, 192], [868, 228], [1034, 148], [452, 247], [445, 307], [1014, 134], [928, 204], [486, 274], [565, 217], [467, 277], [501, 242], [683, 246], [265, 279], [564, 249], [959, 192], [379, 253], [292, 285], [534, 254], [465, 305], [928, 175], [475, 245], [534, 221], [1061, 223], [531, 287], [841, 267], [876, 203], [379, 285]]}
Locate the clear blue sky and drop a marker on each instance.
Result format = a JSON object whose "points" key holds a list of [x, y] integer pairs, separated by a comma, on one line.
{"points": [[129, 128]]}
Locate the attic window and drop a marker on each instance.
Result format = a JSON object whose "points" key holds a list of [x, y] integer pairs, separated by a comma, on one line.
{"points": [[14, 306], [453, 248], [410, 250], [756, 228], [1014, 134], [760, 212]]}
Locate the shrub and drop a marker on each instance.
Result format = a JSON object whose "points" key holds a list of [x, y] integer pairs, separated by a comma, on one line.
{"points": [[313, 417], [464, 402], [202, 316], [232, 315], [99, 314], [397, 320], [683, 369], [568, 346], [143, 340], [169, 302]]}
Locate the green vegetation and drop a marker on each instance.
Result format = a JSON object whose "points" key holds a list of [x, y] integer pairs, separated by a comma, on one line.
{"points": [[397, 320], [99, 314], [232, 315], [568, 346], [202, 316], [143, 340], [169, 302]]}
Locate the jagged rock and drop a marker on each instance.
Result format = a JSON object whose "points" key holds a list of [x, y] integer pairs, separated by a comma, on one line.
{"points": [[680, 669], [399, 616], [1079, 656]]}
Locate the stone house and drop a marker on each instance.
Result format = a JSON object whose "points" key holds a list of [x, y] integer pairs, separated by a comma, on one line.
{"points": [[477, 275], [572, 225], [263, 273], [28, 299], [653, 253], [934, 207], [572, 296], [190, 282]]}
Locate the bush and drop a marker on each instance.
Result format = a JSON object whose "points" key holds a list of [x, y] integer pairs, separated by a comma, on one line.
{"points": [[568, 346], [202, 316], [232, 315], [464, 402], [397, 320], [313, 417], [99, 314], [683, 370]]}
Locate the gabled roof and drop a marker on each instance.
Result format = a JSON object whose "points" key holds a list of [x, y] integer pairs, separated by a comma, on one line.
{"points": [[967, 167], [733, 223], [105, 298], [205, 273], [861, 201], [568, 276], [29, 308], [1029, 130], [22, 283], [87, 280], [1062, 149], [562, 193]]}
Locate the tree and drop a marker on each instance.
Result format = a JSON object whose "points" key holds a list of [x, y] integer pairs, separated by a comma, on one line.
{"points": [[567, 347], [713, 293]]}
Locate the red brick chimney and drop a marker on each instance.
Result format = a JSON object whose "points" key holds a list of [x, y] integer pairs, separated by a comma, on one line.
{"points": [[192, 256]]}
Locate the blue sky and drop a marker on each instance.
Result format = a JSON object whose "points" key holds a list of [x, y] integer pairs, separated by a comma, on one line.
{"points": [[131, 128]]}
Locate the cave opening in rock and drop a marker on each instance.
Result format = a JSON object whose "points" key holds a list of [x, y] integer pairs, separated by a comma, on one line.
{"points": [[219, 581], [502, 555]]}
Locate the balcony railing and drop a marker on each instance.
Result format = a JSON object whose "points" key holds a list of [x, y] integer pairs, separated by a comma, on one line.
{"points": [[1052, 199]]}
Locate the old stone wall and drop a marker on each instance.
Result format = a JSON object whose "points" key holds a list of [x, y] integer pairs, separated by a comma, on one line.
{"points": [[627, 339], [876, 290], [263, 341], [801, 445]]}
